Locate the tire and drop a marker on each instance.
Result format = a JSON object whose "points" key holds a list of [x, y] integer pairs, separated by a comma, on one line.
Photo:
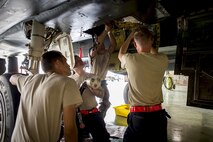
{"points": [[125, 94], [168, 83], [9, 102]]}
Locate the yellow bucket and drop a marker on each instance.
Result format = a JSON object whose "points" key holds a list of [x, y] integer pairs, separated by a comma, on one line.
{"points": [[120, 120], [121, 112]]}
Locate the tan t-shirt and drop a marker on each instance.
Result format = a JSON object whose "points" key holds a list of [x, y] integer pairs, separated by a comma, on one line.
{"points": [[100, 65], [41, 104], [89, 99], [145, 74]]}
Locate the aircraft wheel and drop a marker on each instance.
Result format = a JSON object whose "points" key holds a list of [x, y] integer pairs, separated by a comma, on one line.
{"points": [[125, 94], [168, 83], [9, 102]]}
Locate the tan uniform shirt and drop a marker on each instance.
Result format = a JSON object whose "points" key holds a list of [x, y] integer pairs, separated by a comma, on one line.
{"points": [[100, 65], [41, 104], [89, 99], [145, 74]]}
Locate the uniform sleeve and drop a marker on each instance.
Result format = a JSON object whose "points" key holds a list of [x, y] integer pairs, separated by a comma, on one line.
{"points": [[123, 61], [21, 80], [165, 61], [72, 94]]}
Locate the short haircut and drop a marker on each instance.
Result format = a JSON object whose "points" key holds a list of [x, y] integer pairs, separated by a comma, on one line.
{"points": [[143, 32], [48, 59]]}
